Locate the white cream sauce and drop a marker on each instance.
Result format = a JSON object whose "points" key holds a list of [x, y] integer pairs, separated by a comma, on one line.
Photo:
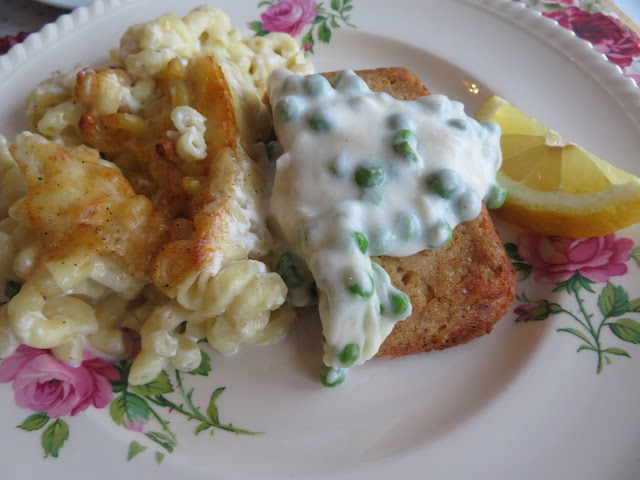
{"points": [[364, 174]]}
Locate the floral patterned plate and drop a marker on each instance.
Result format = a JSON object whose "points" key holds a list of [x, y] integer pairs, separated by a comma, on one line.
{"points": [[551, 393]]}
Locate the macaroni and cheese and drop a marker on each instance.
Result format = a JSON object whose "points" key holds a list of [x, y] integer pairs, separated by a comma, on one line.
{"points": [[136, 201]]}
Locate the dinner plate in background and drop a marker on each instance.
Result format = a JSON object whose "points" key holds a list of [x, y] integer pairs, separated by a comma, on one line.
{"points": [[519, 403]]}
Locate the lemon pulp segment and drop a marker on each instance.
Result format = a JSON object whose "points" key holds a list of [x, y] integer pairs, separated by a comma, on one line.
{"points": [[556, 187]]}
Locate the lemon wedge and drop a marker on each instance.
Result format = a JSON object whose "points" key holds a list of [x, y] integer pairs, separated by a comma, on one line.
{"points": [[554, 186]]}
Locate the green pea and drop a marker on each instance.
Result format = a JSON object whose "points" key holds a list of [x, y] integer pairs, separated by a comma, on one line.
{"points": [[361, 241], [343, 76], [320, 121], [491, 127], [405, 151], [408, 226], [350, 354], [292, 84], [372, 196], [340, 167], [496, 196], [332, 377], [458, 124], [357, 289], [370, 177], [289, 268], [405, 135], [439, 234], [399, 121], [467, 205], [288, 108], [382, 309], [348, 81], [444, 182], [316, 85], [404, 144], [400, 303], [380, 241]]}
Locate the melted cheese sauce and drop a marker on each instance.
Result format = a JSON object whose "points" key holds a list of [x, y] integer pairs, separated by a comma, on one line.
{"points": [[362, 175]]}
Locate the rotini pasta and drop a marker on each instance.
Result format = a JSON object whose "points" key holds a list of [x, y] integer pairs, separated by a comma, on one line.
{"points": [[47, 323], [190, 143], [8, 342], [61, 122], [50, 93], [162, 343], [110, 338], [12, 236], [70, 352]]}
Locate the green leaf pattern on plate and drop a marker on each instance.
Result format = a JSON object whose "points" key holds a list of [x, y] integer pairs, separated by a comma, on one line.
{"points": [[313, 21], [583, 270], [143, 409]]}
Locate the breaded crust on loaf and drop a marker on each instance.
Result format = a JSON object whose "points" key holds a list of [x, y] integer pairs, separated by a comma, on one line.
{"points": [[459, 291]]}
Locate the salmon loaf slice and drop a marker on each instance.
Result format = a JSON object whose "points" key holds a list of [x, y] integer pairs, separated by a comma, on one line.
{"points": [[459, 291]]}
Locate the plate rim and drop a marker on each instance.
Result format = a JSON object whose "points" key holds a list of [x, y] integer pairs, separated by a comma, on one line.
{"points": [[515, 12], [66, 4]]}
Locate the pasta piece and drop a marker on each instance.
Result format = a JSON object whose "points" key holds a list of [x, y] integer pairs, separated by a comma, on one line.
{"points": [[103, 92], [248, 310], [61, 123], [161, 343], [13, 187], [146, 48], [51, 92], [110, 338], [46, 323], [13, 235], [279, 323], [6, 160], [228, 289], [190, 143], [73, 273], [8, 341], [70, 352], [12, 181]]}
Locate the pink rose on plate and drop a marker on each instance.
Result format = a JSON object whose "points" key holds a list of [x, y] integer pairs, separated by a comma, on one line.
{"points": [[7, 42], [555, 259], [289, 16], [566, 3], [42, 383], [606, 33]]}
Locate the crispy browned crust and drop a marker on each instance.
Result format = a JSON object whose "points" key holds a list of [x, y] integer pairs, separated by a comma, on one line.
{"points": [[398, 82], [459, 291]]}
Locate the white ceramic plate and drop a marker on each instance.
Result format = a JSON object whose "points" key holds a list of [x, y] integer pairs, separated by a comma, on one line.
{"points": [[68, 4], [519, 403]]}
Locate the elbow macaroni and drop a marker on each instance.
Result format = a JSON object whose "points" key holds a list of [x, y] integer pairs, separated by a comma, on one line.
{"points": [[134, 207]]}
